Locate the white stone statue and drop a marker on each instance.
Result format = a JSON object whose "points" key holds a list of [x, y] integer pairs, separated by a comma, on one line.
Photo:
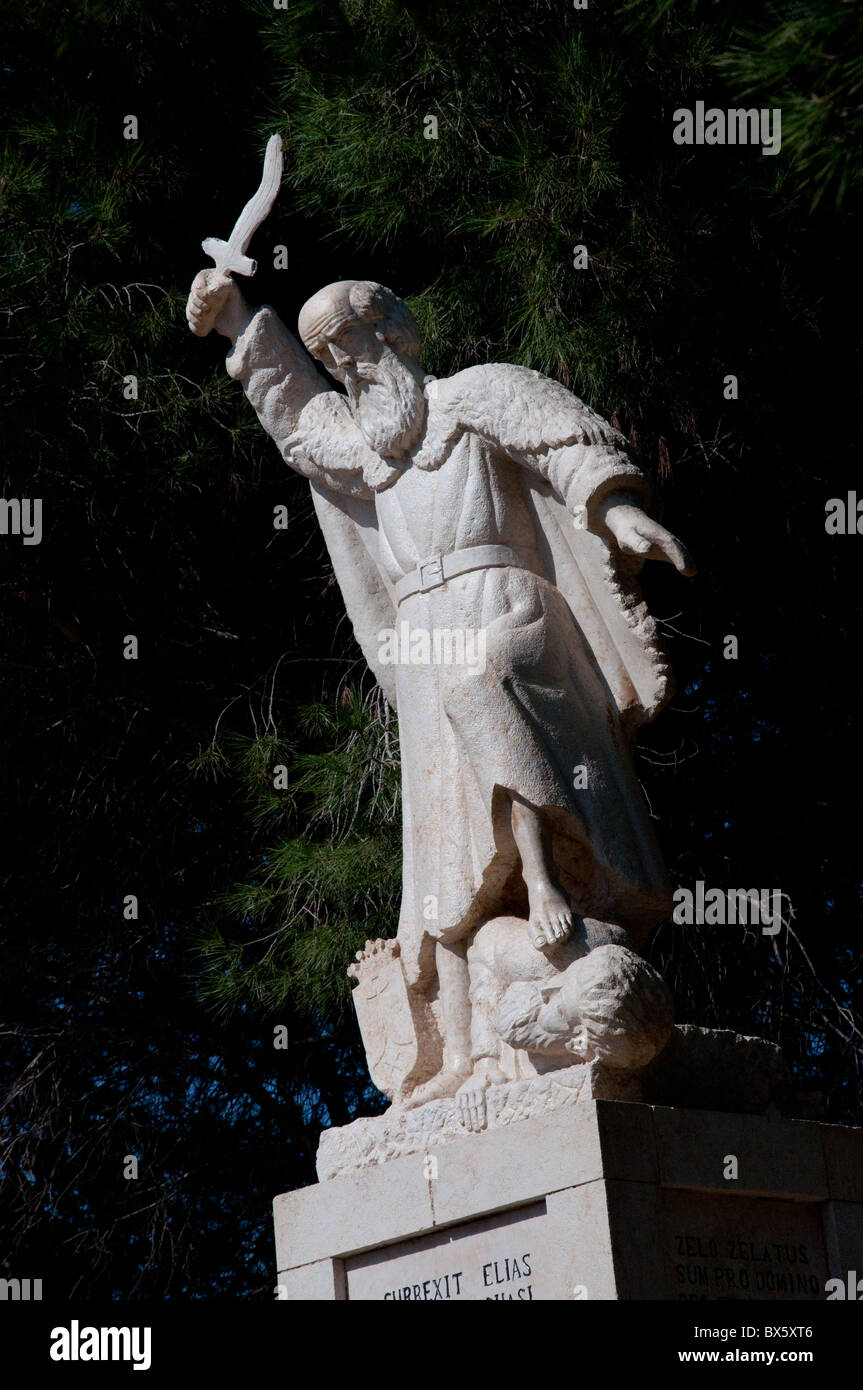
{"points": [[497, 507]]}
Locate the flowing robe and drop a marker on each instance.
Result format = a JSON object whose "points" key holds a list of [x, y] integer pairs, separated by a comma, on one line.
{"points": [[571, 665]]}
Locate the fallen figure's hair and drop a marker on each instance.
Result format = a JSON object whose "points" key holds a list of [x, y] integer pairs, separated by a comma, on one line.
{"points": [[611, 1006]]}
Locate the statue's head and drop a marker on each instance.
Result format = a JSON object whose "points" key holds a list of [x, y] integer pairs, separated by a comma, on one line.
{"points": [[366, 337], [610, 1006]]}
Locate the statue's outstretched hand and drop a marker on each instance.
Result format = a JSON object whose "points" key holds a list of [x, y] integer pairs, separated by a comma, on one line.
{"points": [[216, 301], [470, 1096], [638, 534]]}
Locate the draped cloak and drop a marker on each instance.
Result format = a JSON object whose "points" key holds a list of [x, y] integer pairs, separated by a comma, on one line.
{"points": [[572, 664]]}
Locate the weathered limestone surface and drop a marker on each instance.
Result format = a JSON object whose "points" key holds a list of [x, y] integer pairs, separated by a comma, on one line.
{"points": [[438, 1122], [699, 1068]]}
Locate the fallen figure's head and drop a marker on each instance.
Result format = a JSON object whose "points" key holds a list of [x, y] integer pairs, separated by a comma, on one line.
{"points": [[609, 1006]]}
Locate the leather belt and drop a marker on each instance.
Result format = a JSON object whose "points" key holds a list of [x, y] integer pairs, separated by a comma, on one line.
{"points": [[436, 571]]}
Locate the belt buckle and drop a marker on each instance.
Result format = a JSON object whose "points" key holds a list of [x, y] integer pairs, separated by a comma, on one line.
{"points": [[435, 577]]}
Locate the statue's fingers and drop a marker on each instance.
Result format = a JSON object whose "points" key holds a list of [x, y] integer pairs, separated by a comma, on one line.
{"points": [[207, 305], [689, 567], [204, 285], [670, 549], [634, 543], [216, 281], [195, 306]]}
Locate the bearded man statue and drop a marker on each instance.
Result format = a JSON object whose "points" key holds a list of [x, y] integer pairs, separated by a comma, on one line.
{"points": [[493, 502]]}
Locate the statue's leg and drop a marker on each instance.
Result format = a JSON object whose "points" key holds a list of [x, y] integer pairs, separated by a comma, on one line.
{"points": [[484, 990], [454, 980], [452, 971], [550, 911]]}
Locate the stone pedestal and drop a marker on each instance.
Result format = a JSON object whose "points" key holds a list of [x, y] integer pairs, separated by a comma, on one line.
{"points": [[605, 1200]]}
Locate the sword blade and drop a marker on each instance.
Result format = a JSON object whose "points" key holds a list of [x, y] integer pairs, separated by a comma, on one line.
{"points": [[231, 254]]}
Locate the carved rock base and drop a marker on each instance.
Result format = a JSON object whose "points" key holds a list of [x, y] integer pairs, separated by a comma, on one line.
{"points": [[700, 1068], [377, 1140]]}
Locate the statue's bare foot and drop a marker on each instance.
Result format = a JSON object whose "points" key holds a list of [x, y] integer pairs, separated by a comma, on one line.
{"points": [[375, 953], [383, 946], [550, 917], [445, 1084], [549, 910]]}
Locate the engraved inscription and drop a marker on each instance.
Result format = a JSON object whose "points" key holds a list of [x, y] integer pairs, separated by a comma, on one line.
{"points": [[742, 1248], [491, 1259]]}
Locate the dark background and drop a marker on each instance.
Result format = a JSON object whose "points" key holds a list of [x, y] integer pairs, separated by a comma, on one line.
{"points": [[154, 1037]]}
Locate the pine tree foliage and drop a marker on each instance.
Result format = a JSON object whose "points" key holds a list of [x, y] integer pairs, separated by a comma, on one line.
{"points": [[552, 132], [808, 59], [328, 877]]}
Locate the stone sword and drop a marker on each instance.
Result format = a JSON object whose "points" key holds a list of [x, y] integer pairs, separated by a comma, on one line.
{"points": [[231, 254]]}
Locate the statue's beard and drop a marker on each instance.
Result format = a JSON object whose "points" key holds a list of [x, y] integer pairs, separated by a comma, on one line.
{"points": [[388, 404]]}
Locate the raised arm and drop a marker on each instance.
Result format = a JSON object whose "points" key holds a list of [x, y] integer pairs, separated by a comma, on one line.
{"points": [[308, 420]]}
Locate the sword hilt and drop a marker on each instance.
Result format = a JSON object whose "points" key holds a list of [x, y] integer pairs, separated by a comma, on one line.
{"points": [[227, 258]]}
